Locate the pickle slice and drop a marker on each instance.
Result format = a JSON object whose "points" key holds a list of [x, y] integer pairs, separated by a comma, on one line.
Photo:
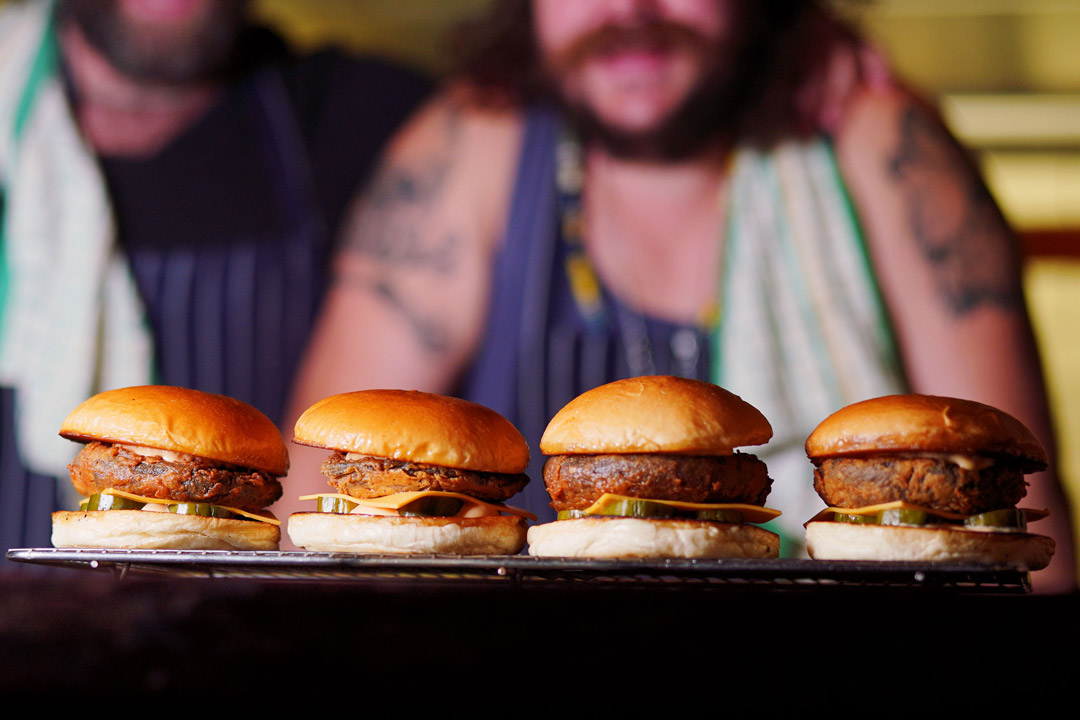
{"points": [[856, 519], [649, 509], [200, 509], [1006, 518], [336, 505], [891, 517], [720, 515], [432, 507], [905, 516], [638, 509], [104, 501]]}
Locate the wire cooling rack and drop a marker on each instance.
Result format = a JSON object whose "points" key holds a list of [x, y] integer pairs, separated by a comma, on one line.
{"points": [[781, 575]]}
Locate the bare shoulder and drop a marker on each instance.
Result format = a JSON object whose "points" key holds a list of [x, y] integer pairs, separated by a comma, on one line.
{"points": [[458, 155], [410, 278], [925, 207]]}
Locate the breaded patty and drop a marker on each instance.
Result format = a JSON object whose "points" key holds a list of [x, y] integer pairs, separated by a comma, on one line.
{"points": [[101, 465], [930, 482], [575, 482], [370, 477]]}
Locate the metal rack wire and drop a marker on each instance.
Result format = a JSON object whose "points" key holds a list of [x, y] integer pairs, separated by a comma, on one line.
{"points": [[780, 575]]}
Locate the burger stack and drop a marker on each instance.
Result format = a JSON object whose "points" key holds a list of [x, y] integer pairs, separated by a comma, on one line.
{"points": [[924, 478], [649, 467], [644, 467], [412, 473], [172, 468]]}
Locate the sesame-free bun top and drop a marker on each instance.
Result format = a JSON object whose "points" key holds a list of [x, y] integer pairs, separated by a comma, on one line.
{"points": [[655, 414], [924, 423], [181, 420], [415, 426]]}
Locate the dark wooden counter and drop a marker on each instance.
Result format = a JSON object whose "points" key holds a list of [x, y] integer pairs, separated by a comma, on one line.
{"points": [[428, 640]]}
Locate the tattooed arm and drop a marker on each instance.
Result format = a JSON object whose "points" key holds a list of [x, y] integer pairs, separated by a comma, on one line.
{"points": [[949, 269], [408, 298]]}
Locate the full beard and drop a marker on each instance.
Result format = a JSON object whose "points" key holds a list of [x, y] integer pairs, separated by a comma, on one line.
{"points": [[708, 117], [203, 51], [712, 113]]}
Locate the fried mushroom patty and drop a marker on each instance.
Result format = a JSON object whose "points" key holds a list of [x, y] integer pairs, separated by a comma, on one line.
{"points": [[575, 482], [101, 465], [930, 482], [370, 477]]}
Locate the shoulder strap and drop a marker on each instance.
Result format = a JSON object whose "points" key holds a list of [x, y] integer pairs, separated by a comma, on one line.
{"points": [[522, 275]]}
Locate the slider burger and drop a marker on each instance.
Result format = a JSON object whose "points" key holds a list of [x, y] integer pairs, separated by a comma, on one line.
{"points": [[923, 478], [171, 468], [648, 467], [412, 473]]}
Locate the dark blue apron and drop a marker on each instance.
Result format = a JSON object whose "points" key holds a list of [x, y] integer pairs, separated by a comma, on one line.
{"points": [[230, 315], [539, 352]]}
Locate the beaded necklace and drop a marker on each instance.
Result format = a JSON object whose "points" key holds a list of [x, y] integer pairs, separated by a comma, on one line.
{"points": [[585, 284]]}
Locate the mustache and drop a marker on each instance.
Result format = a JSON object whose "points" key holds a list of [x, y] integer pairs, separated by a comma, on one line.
{"points": [[656, 35]]}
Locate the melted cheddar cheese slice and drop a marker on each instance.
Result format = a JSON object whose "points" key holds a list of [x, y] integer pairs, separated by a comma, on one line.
{"points": [[390, 504], [827, 513], [750, 513], [265, 516]]}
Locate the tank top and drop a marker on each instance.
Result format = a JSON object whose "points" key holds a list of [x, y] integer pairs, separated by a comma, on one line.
{"points": [[802, 329], [539, 352]]}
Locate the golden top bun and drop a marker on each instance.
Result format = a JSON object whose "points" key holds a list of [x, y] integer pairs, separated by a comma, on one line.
{"points": [[655, 414], [924, 423], [181, 420], [416, 426]]}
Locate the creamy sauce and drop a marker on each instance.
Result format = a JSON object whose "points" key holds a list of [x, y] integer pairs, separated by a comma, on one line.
{"points": [[168, 455], [967, 462]]}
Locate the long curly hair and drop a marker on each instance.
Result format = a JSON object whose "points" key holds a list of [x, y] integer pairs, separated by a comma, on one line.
{"points": [[782, 66]]}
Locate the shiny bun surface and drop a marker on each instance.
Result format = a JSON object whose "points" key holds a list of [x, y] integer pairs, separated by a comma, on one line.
{"points": [[415, 426], [655, 414], [181, 420], [924, 423]]}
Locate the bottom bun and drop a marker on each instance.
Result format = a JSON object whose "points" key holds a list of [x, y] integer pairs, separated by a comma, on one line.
{"points": [[141, 530], [375, 534], [635, 538], [843, 541]]}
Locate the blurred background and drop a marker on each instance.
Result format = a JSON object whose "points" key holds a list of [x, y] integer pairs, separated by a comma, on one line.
{"points": [[1005, 73]]}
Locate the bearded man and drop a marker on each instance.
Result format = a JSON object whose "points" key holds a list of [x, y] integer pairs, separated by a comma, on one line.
{"points": [[171, 180], [726, 189]]}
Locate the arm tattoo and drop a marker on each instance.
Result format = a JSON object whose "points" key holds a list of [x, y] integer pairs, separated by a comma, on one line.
{"points": [[428, 330], [957, 226], [392, 231]]}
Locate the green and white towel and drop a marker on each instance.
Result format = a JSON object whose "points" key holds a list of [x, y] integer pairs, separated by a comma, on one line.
{"points": [[803, 330], [71, 319]]}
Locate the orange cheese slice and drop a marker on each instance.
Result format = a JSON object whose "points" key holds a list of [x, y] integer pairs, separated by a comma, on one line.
{"points": [[750, 513], [389, 504], [827, 513], [265, 516]]}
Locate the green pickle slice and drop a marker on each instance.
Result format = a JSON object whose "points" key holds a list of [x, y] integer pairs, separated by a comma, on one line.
{"points": [[1011, 518], [650, 509], [856, 519], [1007, 518], [103, 501], [906, 516], [339, 506], [201, 509]]}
